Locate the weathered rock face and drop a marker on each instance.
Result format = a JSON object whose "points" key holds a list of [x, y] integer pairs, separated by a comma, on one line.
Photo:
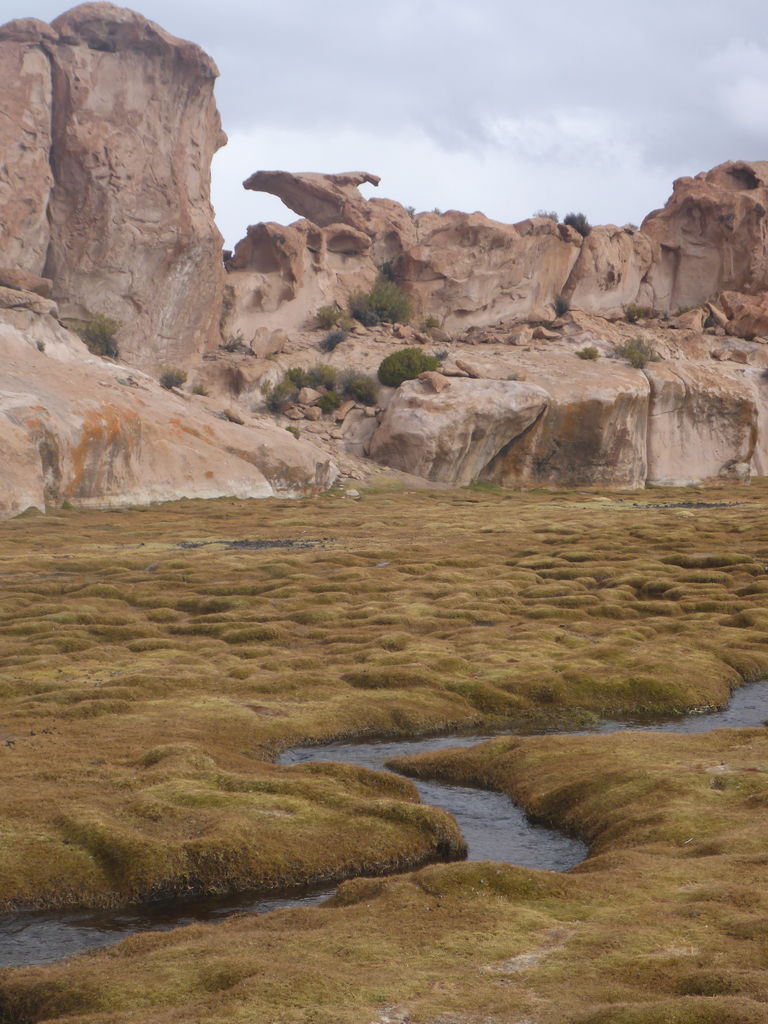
{"points": [[467, 269], [747, 314], [452, 434], [25, 143], [112, 126], [610, 271], [280, 276], [703, 423], [75, 428], [712, 235], [593, 432]]}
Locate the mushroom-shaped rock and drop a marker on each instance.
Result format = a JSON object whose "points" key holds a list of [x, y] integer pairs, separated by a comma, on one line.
{"points": [[322, 198]]}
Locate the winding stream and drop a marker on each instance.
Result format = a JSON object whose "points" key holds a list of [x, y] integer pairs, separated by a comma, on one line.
{"points": [[494, 828]]}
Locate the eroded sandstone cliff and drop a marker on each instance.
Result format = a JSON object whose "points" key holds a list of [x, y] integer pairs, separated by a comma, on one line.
{"points": [[109, 129]]}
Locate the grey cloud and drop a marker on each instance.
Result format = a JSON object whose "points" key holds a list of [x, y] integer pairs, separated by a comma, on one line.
{"points": [[671, 86]]}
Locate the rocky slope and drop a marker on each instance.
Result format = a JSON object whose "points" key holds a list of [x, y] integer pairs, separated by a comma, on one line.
{"points": [[75, 428]]}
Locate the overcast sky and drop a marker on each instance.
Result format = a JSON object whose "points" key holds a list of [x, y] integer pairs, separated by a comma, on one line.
{"points": [[489, 105]]}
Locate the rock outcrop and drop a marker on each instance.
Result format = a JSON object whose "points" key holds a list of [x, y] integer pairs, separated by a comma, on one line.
{"points": [[110, 126], [25, 144], [75, 428], [703, 423], [451, 434], [712, 235]]}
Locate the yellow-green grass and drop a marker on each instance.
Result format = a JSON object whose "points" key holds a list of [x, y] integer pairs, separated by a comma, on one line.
{"points": [[149, 672], [665, 922]]}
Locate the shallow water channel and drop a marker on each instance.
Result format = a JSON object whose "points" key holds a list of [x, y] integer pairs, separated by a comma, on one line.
{"points": [[494, 828]]}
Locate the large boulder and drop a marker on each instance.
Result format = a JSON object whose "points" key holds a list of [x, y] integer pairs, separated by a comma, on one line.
{"points": [[747, 314], [452, 434], [75, 428], [111, 125], [593, 432], [712, 235], [703, 423]]}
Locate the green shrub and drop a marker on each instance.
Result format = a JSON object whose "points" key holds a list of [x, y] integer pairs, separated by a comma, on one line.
{"points": [[360, 386], [322, 376], [277, 396], [590, 352], [200, 389], [327, 317], [637, 352], [405, 364], [329, 401], [429, 323], [294, 430], [98, 333], [332, 339], [633, 313], [579, 222], [562, 305], [172, 379], [386, 302]]}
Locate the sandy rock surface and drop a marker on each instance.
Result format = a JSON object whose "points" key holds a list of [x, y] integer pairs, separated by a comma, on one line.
{"points": [[76, 428]]}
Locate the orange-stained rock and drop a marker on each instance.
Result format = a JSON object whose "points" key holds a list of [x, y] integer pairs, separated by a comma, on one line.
{"points": [[703, 423], [452, 435], [747, 314], [712, 235], [73, 427]]}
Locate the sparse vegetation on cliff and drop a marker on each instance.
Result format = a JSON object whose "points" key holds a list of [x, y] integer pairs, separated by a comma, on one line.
{"points": [[405, 364], [579, 222], [562, 305], [172, 378], [334, 388], [386, 302], [633, 312], [637, 352], [99, 334], [588, 352]]}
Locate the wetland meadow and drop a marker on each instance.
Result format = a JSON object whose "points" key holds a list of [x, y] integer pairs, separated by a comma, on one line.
{"points": [[156, 662]]}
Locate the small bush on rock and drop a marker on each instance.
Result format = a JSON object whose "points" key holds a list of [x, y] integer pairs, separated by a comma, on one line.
{"points": [[549, 214], [562, 305], [360, 387], [329, 401], [405, 364], [172, 379], [579, 222], [327, 317], [633, 313], [637, 352], [277, 396], [332, 340], [98, 333], [590, 352], [385, 303]]}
